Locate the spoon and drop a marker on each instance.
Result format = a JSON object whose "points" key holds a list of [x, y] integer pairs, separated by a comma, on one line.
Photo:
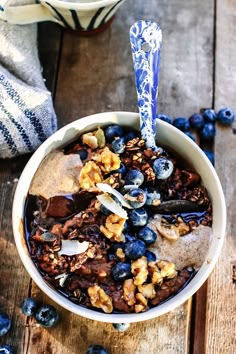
{"points": [[146, 39]]}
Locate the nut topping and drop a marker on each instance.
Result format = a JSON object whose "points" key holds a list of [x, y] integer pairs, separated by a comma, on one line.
{"points": [[100, 299]]}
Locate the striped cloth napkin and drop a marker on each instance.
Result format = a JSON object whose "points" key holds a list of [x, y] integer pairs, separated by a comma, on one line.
{"points": [[27, 116]]}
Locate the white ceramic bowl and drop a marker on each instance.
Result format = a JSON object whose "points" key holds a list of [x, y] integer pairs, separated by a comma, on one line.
{"points": [[167, 136]]}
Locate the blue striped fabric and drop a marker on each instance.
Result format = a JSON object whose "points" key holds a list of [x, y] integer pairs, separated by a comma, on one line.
{"points": [[21, 104], [21, 130]]}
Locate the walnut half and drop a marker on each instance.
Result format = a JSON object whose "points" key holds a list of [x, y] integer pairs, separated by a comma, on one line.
{"points": [[100, 299]]}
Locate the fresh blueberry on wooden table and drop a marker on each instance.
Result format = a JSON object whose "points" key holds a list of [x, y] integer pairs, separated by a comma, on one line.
{"points": [[5, 323], [208, 131], [165, 118], [196, 121], [190, 135], [47, 316], [210, 156], [181, 124], [121, 327], [209, 115], [29, 306], [96, 349], [225, 116]]}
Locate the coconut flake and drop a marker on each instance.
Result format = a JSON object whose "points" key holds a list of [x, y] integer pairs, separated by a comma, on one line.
{"points": [[106, 188], [110, 204], [72, 247], [62, 278]]}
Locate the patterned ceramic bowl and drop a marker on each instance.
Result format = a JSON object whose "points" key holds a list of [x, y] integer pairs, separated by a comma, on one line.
{"points": [[167, 136], [81, 15]]}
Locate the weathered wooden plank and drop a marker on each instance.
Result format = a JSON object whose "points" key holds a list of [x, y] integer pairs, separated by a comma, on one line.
{"points": [[96, 75], [15, 283], [221, 304], [49, 45]]}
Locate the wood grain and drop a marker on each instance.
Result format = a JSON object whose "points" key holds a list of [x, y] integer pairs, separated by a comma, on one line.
{"points": [[95, 75], [221, 304], [15, 283]]}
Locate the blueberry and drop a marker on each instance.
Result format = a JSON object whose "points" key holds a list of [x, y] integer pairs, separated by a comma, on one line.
{"points": [[83, 154], [196, 121], [135, 249], [209, 115], [113, 131], [136, 197], [190, 136], [151, 257], [6, 349], [96, 349], [47, 316], [225, 116], [208, 131], [210, 156], [121, 327], [165, 118], [130, 136], [121, 271], [147, 235], [5, 323], [126, 226], [122, 169], [163, 167], [29, 306], [181, 124], [134, 177], [138, 217], [118, 145], [129, 238], [153, 196]]}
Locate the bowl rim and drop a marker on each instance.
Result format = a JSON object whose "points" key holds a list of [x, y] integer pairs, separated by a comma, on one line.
{"points": [[93, 5], [167, 306]]}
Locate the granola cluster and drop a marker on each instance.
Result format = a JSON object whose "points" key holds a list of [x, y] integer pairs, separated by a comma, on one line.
{"points": [[79, 241]]}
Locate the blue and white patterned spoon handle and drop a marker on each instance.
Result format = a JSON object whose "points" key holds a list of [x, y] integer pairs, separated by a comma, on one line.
{"points": [[146, 39]]}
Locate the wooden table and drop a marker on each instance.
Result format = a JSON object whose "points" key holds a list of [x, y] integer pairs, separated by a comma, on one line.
{"points": [[94, 74]]}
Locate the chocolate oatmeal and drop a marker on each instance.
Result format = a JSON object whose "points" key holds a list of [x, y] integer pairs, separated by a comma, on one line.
{"points": [[114, 226]]}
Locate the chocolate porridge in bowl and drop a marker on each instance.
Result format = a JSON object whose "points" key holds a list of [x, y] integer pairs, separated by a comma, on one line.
{"points": [[114, 227]]}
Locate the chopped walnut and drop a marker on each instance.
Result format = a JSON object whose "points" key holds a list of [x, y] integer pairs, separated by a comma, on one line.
{"points": [[129, 292], [147, 290], [114, 180], [100, 299], [154, 273], [139, 270], [90, 140], [167, 269], [90, 175], [113, 228], [109, 161], [120, 254], [141, 304]]}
